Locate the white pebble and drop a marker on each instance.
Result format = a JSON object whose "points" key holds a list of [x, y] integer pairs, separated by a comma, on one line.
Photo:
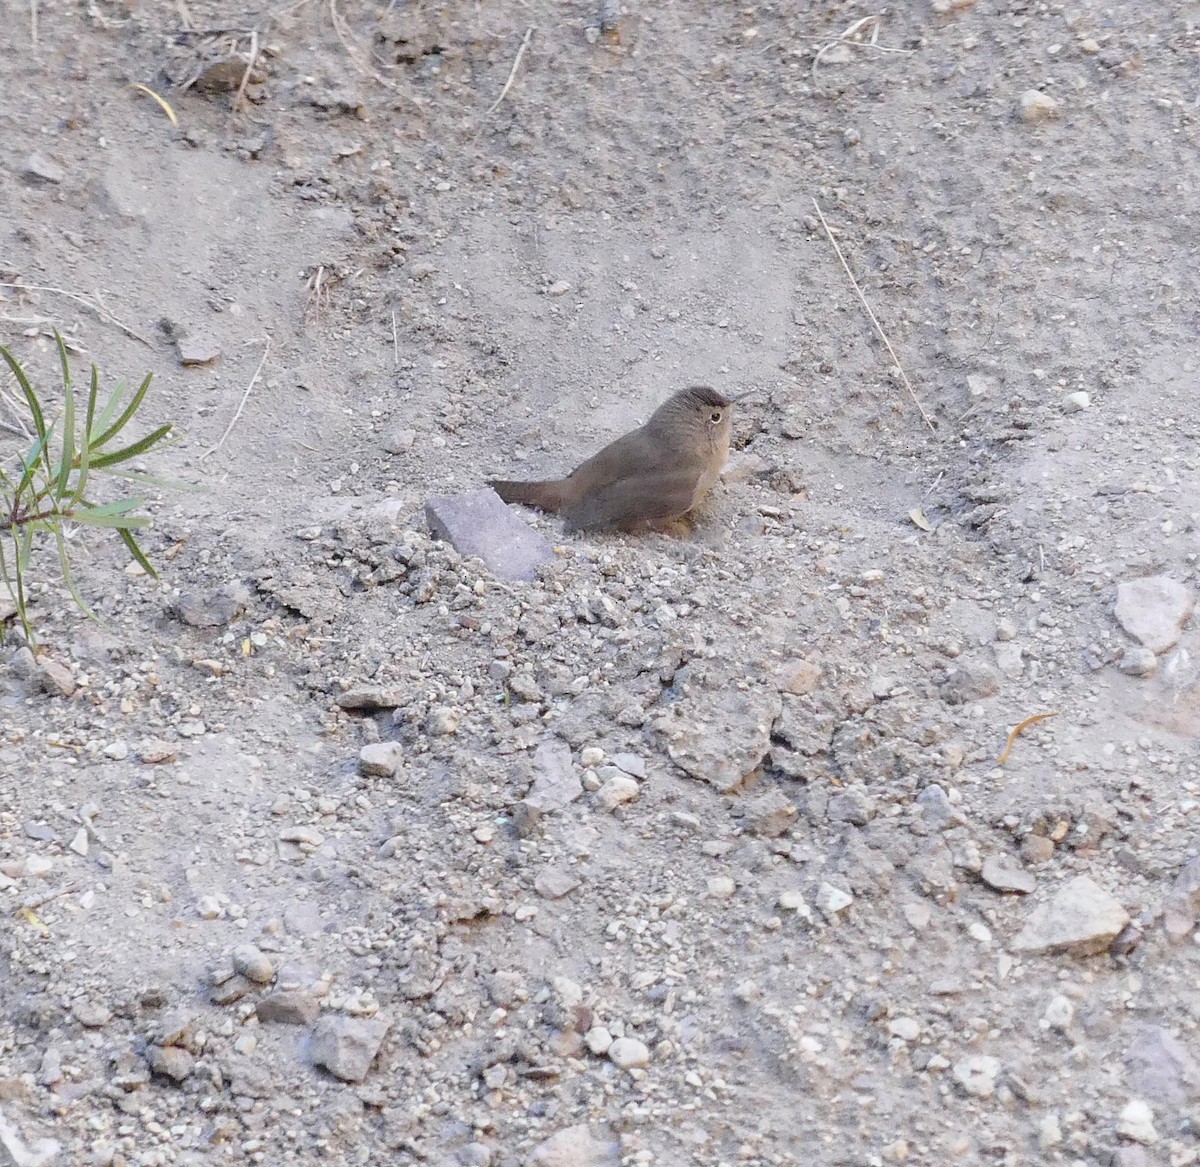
{"points": [[721, 887], [1137, 1122], [832, 900], [207, 908], [628, 1053], [1060, 1012], [977, 1075], [1037, 106], [617, 790]]}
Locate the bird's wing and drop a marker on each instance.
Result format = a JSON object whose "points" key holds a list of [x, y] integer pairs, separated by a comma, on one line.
{"points": [[651, 498]]}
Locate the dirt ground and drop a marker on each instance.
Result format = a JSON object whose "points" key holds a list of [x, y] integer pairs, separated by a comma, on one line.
{"points": [[694, 850]]}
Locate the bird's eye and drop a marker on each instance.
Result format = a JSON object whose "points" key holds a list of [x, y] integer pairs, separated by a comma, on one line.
{"points": [[715, 416]]}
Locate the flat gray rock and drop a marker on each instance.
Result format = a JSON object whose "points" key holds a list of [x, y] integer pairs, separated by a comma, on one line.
{"points": [[555, 783], [479, 524], [41, 168], [1005, 874], [1153, 610], [1081, 919]]}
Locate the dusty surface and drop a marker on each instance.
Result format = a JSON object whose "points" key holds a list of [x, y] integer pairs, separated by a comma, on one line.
{"points": [[824, 925]]}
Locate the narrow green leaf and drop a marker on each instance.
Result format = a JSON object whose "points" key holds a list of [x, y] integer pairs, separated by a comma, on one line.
{"points": [[111, 514], [117, 522], [24, 543], [132, 408], [31, 463], [17, 593], [67, 454], [142, 479], [35, 408], [106, 413], [133, 450], [69, 578], [85, 439], [134, 550], [119, 506]]}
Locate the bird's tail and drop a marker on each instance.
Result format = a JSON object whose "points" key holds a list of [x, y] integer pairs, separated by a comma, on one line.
{"points": [[546, 496]]}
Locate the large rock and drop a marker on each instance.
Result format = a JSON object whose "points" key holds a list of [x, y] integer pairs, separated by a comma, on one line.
{"points": [[1081, 919], [1160, 1066], [575, 1146], [1154, 610], [721, 736], [479, 524], [346, 1046]]}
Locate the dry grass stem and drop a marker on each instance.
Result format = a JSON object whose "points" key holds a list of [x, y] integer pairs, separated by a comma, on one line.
{"points": [[241, 404], [240, 97], [95, 306], [343, 36], [878, 328], [1020, 728], [512, 73], [848, 39]]}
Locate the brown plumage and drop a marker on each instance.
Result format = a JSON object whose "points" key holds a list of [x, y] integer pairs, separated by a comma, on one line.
{"points": [[646, 478]]}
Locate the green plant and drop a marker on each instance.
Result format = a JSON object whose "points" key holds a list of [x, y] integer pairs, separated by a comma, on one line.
{"points": [[53, 484]]}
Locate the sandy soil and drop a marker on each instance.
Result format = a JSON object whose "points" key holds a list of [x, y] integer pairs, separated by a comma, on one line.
{"points": [[692, 850]]}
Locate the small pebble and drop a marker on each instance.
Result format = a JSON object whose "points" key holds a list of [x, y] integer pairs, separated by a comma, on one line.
{"points": [[1059, 1014], [1137, 1122], [399, 441], [38, 168], [207, 908], [380, 759], [617, 790], [253, 964], [721, 887], [1076, 402], [832, 900], [1037, 106], [1137, 661], [441, 721], [977, 1075], [628, 1053]]}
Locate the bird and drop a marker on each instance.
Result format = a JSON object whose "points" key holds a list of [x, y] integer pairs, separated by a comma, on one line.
{"points": [[647, 478]]}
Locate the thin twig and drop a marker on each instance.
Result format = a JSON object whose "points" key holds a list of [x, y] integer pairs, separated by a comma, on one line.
{"points": [[241, 93], [395, 342], [241, 404], [873, 22], [33, 905], [98, 308], [512, 74], [882, 335], [341, 35], [1017, 731]]}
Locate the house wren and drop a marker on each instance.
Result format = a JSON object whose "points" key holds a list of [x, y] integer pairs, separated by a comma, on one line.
{"points": [[647, 478]]}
